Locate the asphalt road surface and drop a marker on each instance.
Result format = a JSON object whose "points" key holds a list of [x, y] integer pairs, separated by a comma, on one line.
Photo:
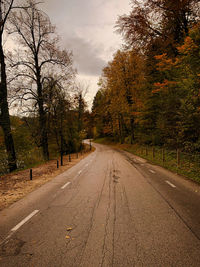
{"points": [[111, 209]]}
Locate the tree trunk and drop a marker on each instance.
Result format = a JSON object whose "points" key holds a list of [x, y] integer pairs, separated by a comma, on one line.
{"points": [[43, 129], [119, 125], [121, 128], [4, 114], [80, 112], [42, 121]]}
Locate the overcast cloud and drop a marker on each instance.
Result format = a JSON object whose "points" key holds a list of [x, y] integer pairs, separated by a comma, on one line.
{"points": [[87, 28]]}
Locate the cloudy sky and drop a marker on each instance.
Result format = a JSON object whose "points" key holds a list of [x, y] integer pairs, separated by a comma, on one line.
{"points": [[87, 28]]}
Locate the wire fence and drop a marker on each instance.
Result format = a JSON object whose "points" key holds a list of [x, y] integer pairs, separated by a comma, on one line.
{"points": [[187, 164]]}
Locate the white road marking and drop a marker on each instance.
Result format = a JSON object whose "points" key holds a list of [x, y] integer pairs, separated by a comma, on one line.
{"points": [[152, 171], [172, 185], [78, 174], [65, 185], [24, 221]]}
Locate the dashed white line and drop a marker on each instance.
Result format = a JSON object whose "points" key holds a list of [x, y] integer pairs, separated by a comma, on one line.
{"points": [[78, 174], [169, 183], [152, 171], [65, 185], [24, 221]]}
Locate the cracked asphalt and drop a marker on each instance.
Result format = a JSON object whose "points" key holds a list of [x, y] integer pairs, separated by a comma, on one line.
{"points": [[122, 211]]}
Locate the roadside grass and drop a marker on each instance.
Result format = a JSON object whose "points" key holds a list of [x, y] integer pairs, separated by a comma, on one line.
{"points": [[16, 185], [29, 158], [189, 164]]}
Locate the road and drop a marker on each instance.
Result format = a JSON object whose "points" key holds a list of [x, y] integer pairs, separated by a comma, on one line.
{"points": [[111, 209]]}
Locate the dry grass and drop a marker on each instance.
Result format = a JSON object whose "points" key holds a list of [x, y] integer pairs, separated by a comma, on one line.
{"points": [[17, 185]]}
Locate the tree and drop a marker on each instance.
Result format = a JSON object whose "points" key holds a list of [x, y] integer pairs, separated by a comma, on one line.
{"points": [[177, 94], [99, 114], [80, 103], [39, 53], [58, 104], [163, 23], [188, 64], [5, 10], [157, 28], [121, 86]]}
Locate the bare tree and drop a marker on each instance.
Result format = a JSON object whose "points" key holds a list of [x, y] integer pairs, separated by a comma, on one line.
{"points": [[81, 91], [58, 103], [38, 58], [5, 10]]}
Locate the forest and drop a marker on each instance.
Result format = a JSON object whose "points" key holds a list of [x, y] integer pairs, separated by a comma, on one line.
{"points": [[149, 93], [38, 86], [150, 90]]}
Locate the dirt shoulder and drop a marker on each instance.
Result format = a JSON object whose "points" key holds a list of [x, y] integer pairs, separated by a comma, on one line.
{"points": [[17, 185]]}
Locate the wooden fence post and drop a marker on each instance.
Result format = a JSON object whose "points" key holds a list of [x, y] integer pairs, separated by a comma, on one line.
{"points": [[31, 174], [61, 159], [90, 145]]}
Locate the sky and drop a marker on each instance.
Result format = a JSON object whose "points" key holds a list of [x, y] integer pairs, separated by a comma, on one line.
{"points": [[87, 28]]}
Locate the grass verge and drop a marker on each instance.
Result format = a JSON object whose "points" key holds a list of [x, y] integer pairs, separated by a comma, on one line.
{"points": [[189, 164], [17, 185]]}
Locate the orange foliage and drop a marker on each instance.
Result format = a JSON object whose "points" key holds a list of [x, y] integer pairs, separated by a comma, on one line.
{"points": [[164, 63], [160, 86], [188, 46], [155, 90]]}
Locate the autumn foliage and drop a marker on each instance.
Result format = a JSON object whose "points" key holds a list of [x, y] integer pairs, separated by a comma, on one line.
{"points": [[152, 96]]}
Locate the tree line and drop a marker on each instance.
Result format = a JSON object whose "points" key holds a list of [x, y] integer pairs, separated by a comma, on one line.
{"points": [[38, 83], [150, 90]]}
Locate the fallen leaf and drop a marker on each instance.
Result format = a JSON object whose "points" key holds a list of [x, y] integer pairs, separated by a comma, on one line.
{"points": [[69, 229], [67, 237]]}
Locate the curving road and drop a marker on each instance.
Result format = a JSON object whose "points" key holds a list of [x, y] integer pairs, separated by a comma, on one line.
{"points": [[111, 209]]}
